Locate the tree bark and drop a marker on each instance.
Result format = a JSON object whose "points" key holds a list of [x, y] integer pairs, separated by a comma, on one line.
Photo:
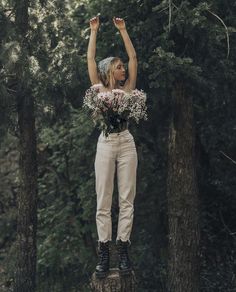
{"points": [[25, 273], [114, 282], [182, 193]]}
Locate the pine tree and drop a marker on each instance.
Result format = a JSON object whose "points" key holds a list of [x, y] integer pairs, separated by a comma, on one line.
{"points": [[25, 273]]}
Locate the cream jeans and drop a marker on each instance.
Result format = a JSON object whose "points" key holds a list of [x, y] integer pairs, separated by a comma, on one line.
{"points": [[115, 152]]}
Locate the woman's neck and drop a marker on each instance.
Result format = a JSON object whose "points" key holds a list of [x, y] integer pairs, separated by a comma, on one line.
{"points": [[115, 86]]}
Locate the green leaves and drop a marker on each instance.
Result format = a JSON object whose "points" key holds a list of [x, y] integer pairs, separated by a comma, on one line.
{"points": [[171, 68], [67, 193]]}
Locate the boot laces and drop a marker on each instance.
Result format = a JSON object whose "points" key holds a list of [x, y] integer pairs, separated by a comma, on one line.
{"points": [[123, 251], [103, 253]]}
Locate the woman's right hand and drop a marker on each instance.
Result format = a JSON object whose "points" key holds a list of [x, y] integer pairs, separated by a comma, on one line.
{"points": [[94, 23]]}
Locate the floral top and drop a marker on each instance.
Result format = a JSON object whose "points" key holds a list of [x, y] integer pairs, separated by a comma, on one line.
{"points": [[111, 109]]}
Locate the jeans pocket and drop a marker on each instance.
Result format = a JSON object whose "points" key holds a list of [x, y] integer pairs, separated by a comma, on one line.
{"points": [[129, 138]]}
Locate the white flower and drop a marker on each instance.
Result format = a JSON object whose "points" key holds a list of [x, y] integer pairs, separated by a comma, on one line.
{"points": [[115, 105], [118, 91]]}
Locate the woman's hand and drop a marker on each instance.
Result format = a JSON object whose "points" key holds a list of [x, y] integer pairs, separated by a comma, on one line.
{"points": [[94, 23], [119, 23]]}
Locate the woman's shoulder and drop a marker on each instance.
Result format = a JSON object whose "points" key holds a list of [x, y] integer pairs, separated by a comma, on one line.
{"points": [[100, 88], [97, 86], [132, 90]]}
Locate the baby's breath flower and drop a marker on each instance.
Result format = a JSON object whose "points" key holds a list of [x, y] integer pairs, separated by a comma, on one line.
{"points": [[115, 107]]}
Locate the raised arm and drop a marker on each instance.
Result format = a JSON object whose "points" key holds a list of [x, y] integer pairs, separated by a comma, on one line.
{"points": [[92, 66], [133, 64]]}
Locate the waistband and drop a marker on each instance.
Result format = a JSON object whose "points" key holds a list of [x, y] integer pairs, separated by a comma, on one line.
{"points": [[122, 133]]}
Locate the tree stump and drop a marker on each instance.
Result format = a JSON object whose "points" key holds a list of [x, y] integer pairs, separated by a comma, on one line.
{"points": [[114, 282]]}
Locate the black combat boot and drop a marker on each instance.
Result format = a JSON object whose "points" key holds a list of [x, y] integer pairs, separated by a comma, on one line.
{"points": [[102, 267], [124, 261]]}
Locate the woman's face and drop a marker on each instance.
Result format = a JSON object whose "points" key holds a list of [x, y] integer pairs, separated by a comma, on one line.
{"points": [[119, 71]]}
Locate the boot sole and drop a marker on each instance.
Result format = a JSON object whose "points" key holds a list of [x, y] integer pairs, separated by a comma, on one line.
{"points": [[101, 275], [125, 272]]}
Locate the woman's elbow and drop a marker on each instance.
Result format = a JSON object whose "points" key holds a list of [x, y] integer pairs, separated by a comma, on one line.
{"points": [[133, 57], [90, 57]]}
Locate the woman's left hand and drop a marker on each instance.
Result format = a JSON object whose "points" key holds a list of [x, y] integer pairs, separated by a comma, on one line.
{"points": [[119, 22]]}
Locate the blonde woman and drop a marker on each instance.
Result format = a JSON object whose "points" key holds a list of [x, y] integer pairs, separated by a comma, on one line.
{"points": [[115, 152]]}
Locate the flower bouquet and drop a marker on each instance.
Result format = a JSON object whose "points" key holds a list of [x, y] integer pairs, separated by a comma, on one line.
{"points": [[111, 110]]}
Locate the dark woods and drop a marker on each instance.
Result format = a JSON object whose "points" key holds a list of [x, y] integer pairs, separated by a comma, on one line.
{"points": [[184, 230]]}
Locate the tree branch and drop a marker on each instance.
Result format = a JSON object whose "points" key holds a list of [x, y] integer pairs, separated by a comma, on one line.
{"points": [[169, 14], [226, 29], [234, 162], [226, 227]]}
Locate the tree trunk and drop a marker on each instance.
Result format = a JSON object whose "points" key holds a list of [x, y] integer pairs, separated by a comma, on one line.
{"points": [[25, 273], [114, 282], [182, 193]]}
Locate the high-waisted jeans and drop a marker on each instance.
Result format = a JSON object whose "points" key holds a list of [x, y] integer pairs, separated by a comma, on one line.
{"points": [[115, 152]]}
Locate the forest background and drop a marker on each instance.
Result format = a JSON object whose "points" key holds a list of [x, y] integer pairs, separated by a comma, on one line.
{"points": [[188, 41]]}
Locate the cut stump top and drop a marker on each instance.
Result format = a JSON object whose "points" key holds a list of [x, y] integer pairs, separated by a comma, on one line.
{"points": [[114, 282]]}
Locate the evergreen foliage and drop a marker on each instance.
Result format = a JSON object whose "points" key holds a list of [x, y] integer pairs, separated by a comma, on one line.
{"points": [[193, 41]]}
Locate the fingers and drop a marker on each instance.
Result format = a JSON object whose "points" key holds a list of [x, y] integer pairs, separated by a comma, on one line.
{"points": [[94, 19], [118, 19]]}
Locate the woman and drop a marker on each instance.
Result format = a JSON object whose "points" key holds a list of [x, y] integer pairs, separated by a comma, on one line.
{"points": [[117, 151]]}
